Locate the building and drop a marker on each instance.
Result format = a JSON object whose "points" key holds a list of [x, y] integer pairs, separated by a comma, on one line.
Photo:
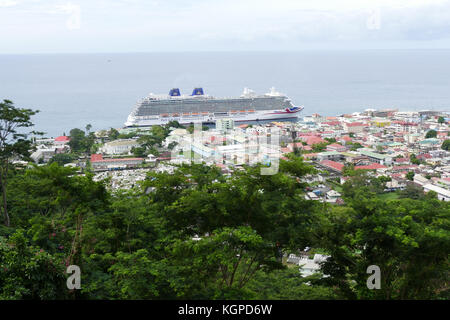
{"points": [[62, 140], [376, 157], [43, 154], [330, 155], [121, 146], [309, 267], [332, 165], [336, 147], [224, 124], [442, 194], [354, 127], [98, 163]]}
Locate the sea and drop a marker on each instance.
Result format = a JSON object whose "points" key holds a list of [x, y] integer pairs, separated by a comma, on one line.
{"points": [[73, 90]]}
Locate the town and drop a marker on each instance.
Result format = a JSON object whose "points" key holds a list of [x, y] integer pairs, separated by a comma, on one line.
{"points": [[409, 149]]}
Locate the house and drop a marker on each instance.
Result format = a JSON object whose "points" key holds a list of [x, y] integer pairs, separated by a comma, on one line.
{"points": [[332, 165], [336, 147], [311, 266], [121, 146], [372, 166], [333, 195], [311, 140], [354, 127], [61, 140], [43, 154]]}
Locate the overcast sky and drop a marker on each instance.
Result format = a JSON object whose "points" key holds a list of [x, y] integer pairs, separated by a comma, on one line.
{"points": [[38, 26]]}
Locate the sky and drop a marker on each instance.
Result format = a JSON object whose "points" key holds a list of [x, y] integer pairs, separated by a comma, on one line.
{"points": [[89, 26]]}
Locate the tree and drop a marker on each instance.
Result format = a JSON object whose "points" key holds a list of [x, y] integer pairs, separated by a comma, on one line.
{"points": [[319, 147], [138, 152], [412, 191], [173, 124], [113, 134], [220, 265], [80, 142], [431, 134], [14, 143], [408, 239], [172, 145], [62, 158], [28, 272], [77, 140], [88, 128], [441, 120], [446, 145], [288, 284], [414, 159], [355, 146]]}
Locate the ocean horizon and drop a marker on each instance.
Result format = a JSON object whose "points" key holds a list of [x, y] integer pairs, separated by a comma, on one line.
{"points": [[73, 90]]}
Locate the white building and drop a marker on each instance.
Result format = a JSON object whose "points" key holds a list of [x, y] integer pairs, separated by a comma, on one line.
{"points": [[224, 124], [122, 146], [309, 267], [442, 194], [43, 153]]}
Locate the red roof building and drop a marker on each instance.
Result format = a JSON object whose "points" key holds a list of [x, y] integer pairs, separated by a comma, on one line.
{"points": [[96, 157], [336, 147], [373, 166], [62, 140], [333, 165], [310, 140]]}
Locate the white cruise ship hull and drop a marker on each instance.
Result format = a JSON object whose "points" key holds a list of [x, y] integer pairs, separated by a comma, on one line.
{"points": [[240, 116]]}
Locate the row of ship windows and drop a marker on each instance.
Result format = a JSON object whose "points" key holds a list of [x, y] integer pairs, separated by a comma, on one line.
{"points": [[156, 111], [201, 114]]}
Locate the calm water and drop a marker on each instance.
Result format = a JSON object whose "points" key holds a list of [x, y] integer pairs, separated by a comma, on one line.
{"points": [[101, 89]]}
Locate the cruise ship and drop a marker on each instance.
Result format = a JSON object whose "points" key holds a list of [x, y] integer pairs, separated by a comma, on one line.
{"points": [[199, 107]]}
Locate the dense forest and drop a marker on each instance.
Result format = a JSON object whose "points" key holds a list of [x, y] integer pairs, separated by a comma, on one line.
{"points": [[199, 234]]}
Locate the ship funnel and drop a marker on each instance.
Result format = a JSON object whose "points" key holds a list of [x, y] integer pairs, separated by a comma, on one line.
{"points": [[198, 92], [175, 92]]}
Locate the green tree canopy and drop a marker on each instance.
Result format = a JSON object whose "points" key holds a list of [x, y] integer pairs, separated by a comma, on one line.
{"points": [[431, 134]]}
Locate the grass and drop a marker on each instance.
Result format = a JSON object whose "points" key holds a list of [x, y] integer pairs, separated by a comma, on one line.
{"points": [[389, 196]]}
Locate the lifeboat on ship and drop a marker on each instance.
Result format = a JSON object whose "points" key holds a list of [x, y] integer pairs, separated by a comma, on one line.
{"points": [[175, 114], [251, 111], [164, 115]]}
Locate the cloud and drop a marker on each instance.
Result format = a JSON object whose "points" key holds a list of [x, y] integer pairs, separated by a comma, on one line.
{"points": [[143, 25], [8, 3], [73, 21]]}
